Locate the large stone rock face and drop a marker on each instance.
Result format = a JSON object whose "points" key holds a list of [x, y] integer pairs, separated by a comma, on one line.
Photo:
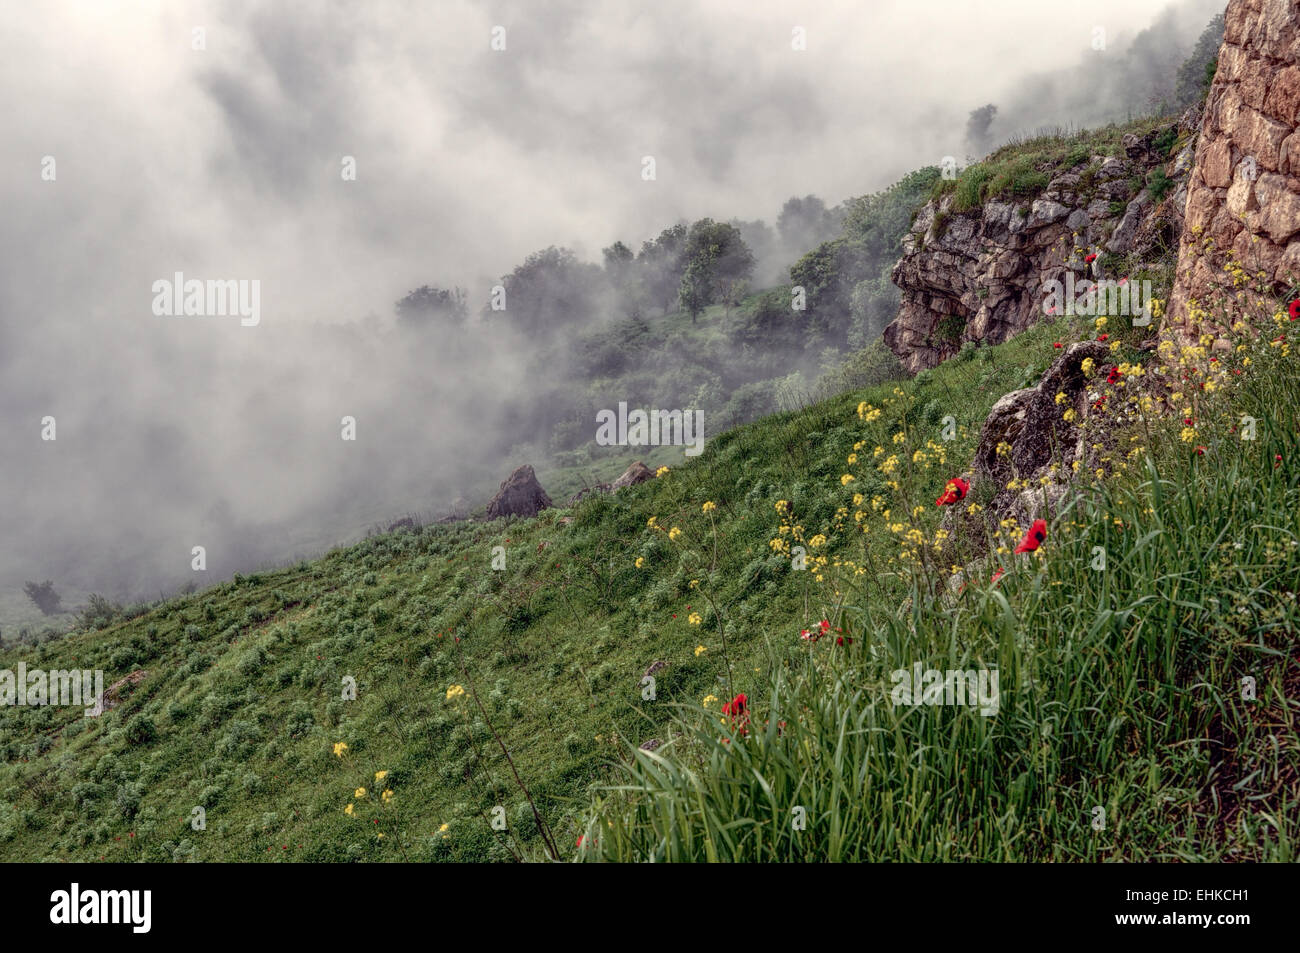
{"points": [[1036, 440], [520, 495], [981, 275], [1243, 200]]}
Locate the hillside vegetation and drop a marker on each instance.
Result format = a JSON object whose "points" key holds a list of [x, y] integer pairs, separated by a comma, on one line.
{"points": [[239, 709], [1119, 687]]}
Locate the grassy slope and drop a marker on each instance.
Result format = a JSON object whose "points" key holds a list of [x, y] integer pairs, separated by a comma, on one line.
{"points": [[1148, 702], [239, 710]]}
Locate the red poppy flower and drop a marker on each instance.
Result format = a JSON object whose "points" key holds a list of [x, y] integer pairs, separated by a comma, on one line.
{"points": [[998, 575], [1187, 421], [826, 627], [1295, 309], [1033, 537], [954, 492], [1277, 460], [1103, 337], [1090, 258], [738, 706], [1200, 451], [843, 641], [1057, 344]]}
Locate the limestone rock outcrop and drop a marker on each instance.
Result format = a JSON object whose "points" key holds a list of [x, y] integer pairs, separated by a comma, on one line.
{"points": [[636, 473], [1243, 198], [981, 275], [520, 495], [1027, 438]]}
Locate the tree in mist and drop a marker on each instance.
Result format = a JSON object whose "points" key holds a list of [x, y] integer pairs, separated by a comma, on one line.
{"points": [[758, 236], [769, 325], [870, 242], [872, 305], [98, 613], [1197, 71], [43, 594], [428, 306], [621, 272], [716, 258], [551, 290], [804, 222], [661, 264], [978, 137]]}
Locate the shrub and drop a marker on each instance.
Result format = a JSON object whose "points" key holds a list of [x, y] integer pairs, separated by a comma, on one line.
{"points": [[140, 729]]}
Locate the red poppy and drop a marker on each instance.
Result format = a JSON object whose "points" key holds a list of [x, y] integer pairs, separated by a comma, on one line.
{"points": [[1200, 451], [1278, 460], [841, 640], [1103, 337], [826, 627], [954, 492], [998, 575], [1057, 344], [1090, 258], [1295, 309], [1187, 421], [1035, 535], [737, 707]]}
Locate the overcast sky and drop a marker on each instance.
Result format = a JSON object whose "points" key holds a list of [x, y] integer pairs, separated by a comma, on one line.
{"points": [[225, 163]]}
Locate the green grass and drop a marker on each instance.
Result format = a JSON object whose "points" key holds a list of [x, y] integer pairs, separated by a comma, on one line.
{"points": [[241, 705], [1133, 670], [1023, 168], [1121, 701]]}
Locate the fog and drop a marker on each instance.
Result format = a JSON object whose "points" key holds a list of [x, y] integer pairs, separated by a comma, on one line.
{"points": [[225, 163]]}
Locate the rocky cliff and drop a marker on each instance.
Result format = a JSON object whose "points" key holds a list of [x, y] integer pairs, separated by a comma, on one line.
{"points": [[1243, 200], [978, 273]]}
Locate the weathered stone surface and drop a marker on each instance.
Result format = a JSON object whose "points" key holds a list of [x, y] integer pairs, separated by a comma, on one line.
{"points": [[1029, 427], [636, 473], [983, 278], [1122, 240], [520, 495], [1243, 193]]}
